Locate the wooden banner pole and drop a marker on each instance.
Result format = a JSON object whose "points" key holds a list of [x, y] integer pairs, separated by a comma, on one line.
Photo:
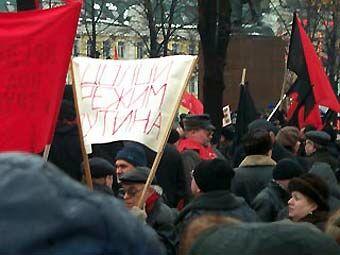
{"points": [[243, 80], [164, 139], [46, 152], [86, 164]]}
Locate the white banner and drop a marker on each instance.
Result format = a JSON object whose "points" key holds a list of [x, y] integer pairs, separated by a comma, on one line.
{"points": [[129, 99]]}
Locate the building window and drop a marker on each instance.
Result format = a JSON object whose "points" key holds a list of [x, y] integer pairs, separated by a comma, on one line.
{"points": [[121, 49], [175, 48], [192, 49], [107, 49], [140, 50]]}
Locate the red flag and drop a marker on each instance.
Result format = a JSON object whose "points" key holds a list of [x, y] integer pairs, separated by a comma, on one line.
{"points": [[34, 56], [312, 86], [190, 102]]}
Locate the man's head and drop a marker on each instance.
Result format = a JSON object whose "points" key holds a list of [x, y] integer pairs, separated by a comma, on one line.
{"points": [[258, 142], [316, 140], [285, 170], [211, 175], [129, 157], [133, 183], [102, 171], [289, 137], [198, 128], [263, 124]]}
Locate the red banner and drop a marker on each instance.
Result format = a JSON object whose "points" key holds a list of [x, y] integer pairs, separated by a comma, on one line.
{"points": [[190, 102], [35, 50]]}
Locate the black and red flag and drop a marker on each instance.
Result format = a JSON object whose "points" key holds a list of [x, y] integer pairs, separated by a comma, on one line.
{"points": [[312, 87]]}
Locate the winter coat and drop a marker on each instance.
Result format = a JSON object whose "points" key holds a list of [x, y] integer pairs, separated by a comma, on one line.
{"points": [[161, 218], [270, 201], [103, 189], [65, 151], [322, 155], [43, 211], [220, 202], [279, 238], [252, 176]]}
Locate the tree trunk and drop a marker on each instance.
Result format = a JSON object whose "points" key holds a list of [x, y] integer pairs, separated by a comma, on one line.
{"points": [[93, 31], [214, 29], [154, 46]]}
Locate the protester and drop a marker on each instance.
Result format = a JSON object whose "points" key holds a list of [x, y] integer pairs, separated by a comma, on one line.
{"points": [[279, 238], [272, 199], [129, 157], [65, 149], [195, 146], [158, 215], [43, 211], [278, 151], [197, 226], [211, 188], [102, 173], [255, 171], [333, 226], [316, 148], [289, 137], [309, 201]]}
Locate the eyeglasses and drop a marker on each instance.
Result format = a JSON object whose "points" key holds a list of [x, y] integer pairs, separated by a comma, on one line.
{"points": [[131, 192]]}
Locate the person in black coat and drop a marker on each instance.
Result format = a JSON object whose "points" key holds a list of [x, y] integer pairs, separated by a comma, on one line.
{"points": [[272, 199], [211, 187], [65, 149], [255, 171]]}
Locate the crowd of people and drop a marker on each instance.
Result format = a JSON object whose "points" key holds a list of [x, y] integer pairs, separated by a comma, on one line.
{"points": [[276, 192]]}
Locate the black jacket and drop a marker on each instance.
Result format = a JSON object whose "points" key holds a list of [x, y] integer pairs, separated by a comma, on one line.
{"points": [[253, 175], [220, 202], [65, 150], [270, 201]]}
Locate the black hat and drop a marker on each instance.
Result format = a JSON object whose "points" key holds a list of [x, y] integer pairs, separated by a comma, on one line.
{"points": [[191, 122], [137, 175], [313, 187], [100, 167], [318, 137], [134, 154], [287, 169], [262, 124], [213, 174]]}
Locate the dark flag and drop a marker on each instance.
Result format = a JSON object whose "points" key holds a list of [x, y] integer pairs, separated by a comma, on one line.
{"points": [[312, 87], [246, 112]]}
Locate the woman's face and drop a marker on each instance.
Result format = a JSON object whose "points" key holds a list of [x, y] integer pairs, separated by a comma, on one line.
{"points": [[300, 206]]}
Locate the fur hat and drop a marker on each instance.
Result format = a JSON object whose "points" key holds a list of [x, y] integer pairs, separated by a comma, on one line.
{"points": [[313, 187], [134, 154], [287, 169], [213, 175], [192, 121], [288, 136]]}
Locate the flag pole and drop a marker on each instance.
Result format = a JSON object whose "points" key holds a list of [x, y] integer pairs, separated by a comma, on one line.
{"points": [[86, 164], [164, 139], [243, 79], [46, 151], [276, 107]]}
